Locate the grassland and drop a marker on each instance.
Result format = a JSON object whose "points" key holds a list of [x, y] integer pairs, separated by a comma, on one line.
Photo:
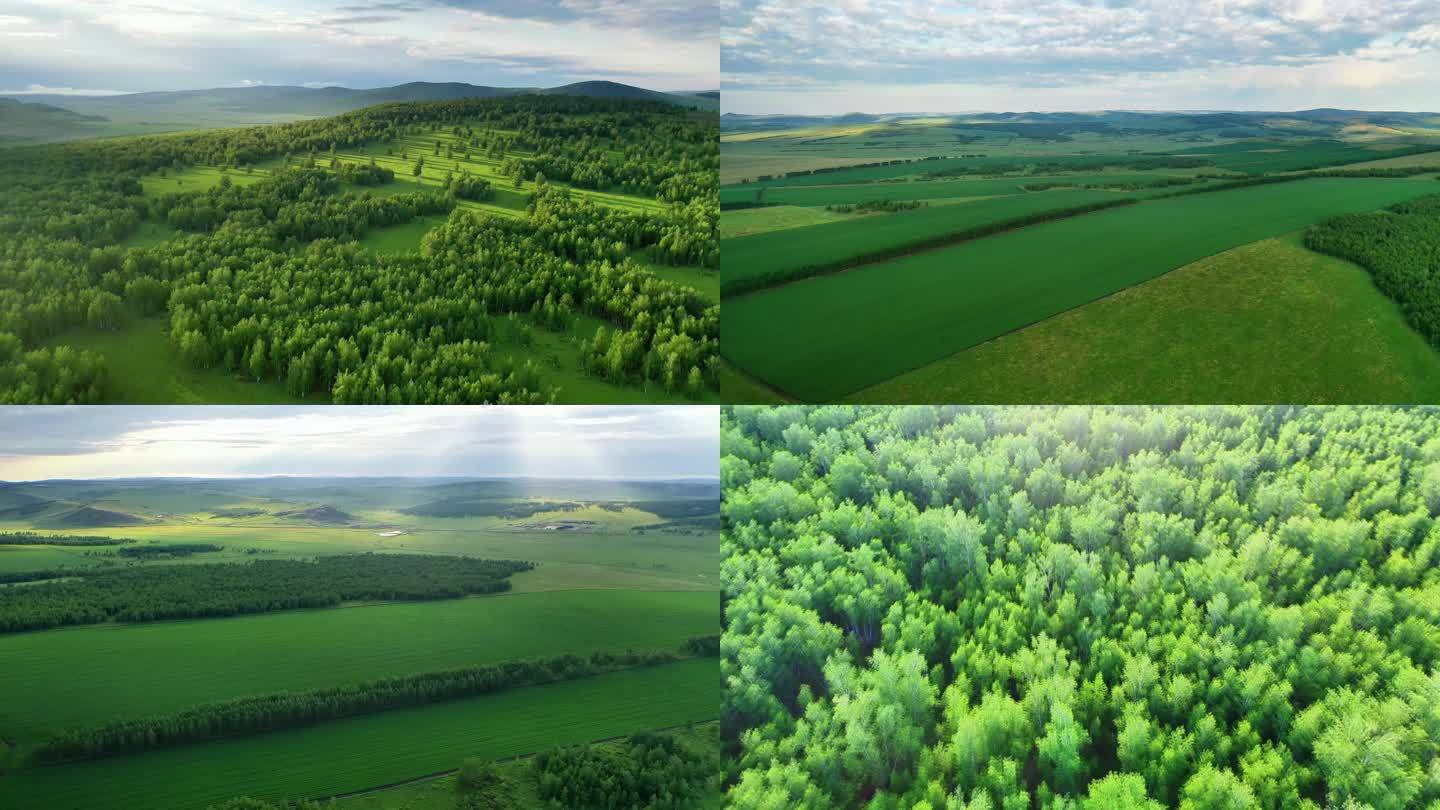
{"points": [[821, 339], [360, 753], [1259, 323], [822, 195], [207, 660], [609, 582], [781, 254]]}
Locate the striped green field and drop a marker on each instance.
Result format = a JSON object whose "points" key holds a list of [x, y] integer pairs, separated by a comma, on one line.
{"points": [[933, 189], [88, 675], [365, 752], [780, 253], [825, 338]]}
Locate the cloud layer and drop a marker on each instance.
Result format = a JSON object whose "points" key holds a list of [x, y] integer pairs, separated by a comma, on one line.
{"points": [[135, 45], [553, 442], [1078, 54]]}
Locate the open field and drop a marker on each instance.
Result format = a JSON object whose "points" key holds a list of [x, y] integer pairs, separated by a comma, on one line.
{"points": [[1252, 324], [359, 753], [832, 343], [205, 660], [620, 565], [779, 255]]}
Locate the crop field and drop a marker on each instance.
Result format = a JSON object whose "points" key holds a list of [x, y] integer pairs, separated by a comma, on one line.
{"points": [[789, 253], [934, 189], [820, 339], [206, 660], [359, 753], [1248, 325]]}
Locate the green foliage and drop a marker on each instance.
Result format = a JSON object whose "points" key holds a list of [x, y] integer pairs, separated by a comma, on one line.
{"points": [[265, 713], [226, 589], [318, 315], [1400, 248], [1107, 607], [653, 771]]}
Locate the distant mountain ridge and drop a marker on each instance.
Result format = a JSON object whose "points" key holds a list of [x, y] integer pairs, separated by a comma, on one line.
{"points": [[335, 99]]}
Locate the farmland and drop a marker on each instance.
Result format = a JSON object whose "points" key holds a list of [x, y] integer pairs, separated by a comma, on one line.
{"points": [[920, 303], [618, 566], [426, 210]]}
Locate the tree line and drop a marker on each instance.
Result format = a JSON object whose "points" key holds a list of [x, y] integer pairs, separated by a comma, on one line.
{"points": [[1401, 249], [1021, 607], [284, 710], [38, 539], [146, 594], [155, 551]]}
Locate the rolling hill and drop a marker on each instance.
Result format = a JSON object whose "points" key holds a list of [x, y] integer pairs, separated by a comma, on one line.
{"points": [[41, 117]]}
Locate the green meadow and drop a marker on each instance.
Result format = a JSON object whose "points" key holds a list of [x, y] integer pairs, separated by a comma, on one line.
{"points": [[821, 339], [365, 752], [205, 660]]}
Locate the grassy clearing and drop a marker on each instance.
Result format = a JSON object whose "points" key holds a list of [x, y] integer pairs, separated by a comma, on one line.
{"points": [[149, 234], [1261, 157], [166, 666], [145, 369], [1254, 324], [821, 340], [197, 178], [402, 238], [359, 753], [779, 253]]}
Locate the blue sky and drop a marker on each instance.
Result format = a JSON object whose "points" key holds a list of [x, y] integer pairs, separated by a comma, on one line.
{"points": [[98, 441], [133, 45], [836, 56]]}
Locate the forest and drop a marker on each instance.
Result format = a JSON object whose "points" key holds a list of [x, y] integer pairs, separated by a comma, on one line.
{"points": [[649, 771], [1401, 249], [1081, 607], [149, 594], [258, 714], [267, 283]]}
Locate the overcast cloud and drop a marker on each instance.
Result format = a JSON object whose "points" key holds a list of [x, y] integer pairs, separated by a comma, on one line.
{"points": [[38, 442], [133, 45], [835, 56]]}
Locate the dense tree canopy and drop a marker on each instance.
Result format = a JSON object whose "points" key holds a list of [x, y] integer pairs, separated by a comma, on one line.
{"points": [[944, 607], [1401, 249], [268, 283], [156, 593]]}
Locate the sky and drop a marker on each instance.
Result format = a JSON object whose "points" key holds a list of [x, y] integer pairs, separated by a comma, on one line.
{"points": [[825, 57], [93, 441], [101, 46]]}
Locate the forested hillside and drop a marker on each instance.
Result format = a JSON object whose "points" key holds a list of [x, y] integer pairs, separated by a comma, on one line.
{"points": [[1195, 607], [266, 282]]}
